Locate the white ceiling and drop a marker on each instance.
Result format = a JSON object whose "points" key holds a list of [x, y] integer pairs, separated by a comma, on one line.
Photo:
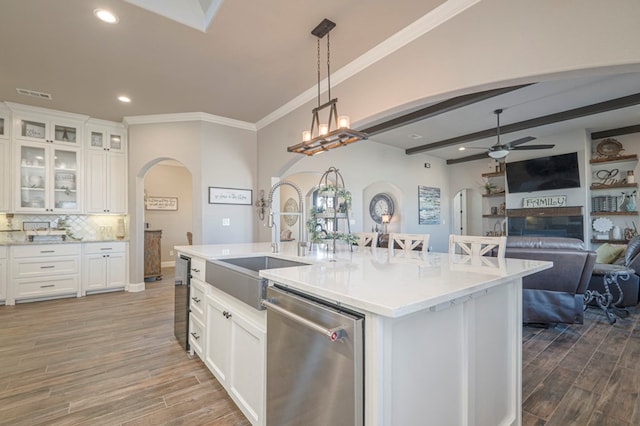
{"points": [[533, 101], [253, 58], [243, 60]]}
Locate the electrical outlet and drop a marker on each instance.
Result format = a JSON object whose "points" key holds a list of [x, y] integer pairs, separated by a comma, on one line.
{"points": [[170, 252], [226, 221]]}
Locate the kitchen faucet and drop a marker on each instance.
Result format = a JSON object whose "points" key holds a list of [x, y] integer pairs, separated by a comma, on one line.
{"points": [[302, 244]]}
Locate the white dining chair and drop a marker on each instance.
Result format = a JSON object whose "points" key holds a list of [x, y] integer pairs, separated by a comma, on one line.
{"points": [[365, 238], [408, 242], [477, 245]]}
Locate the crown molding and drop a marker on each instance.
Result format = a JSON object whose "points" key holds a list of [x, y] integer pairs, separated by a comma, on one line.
{"points": [[423, 25], [188, 116]]}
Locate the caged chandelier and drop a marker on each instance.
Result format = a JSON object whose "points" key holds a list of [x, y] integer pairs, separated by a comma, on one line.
{"points": [[336, 131]]}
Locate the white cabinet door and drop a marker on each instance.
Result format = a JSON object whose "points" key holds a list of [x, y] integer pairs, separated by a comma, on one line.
{"points": [[49, 128], [104, 266], [5, 158], [95, 267], [106, 137], [235, 354], [96, 182], [247, 370], [116, 270], [48, 178], [117, 183], [3, 279], [218, 330], [106, 182]]}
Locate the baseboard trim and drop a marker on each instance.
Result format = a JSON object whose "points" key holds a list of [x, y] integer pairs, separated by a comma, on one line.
{"points": [[135, 288]]}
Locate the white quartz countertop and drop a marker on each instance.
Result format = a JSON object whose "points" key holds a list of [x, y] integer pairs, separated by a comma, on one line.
{"points": [[375, 281]]}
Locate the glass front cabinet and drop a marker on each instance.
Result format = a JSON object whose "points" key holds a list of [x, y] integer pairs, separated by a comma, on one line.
{"points": [[52, 129], [48, 178], [106, 138]]}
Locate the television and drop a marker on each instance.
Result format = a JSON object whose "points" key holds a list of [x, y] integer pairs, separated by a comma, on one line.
{"points": [[543, 174]]}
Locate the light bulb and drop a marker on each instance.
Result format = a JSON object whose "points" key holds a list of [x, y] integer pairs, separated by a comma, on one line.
{"points": [[306, 136], [323, 129], [344, 122]]}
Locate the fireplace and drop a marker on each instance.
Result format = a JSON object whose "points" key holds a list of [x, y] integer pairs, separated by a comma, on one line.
{"points": [[547, 222]]}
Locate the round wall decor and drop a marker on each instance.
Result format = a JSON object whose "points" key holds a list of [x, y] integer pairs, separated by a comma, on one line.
{"points": [[290, 206], [380, 204]]}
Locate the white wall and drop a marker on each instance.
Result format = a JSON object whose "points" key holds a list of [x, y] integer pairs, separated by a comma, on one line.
{"points": [[215, 155], [494, 43], [170, 181], [369, 167]]}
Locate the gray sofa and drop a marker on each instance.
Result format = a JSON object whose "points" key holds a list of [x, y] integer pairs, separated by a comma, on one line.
{"points": [[554, 295]]}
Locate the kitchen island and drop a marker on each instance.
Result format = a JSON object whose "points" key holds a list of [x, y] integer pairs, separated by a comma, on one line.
{"points": [[442, 333]]}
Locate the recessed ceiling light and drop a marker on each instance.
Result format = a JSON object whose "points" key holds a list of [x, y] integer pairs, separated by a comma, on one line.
{"points": [[124, 99], [415, 136], [106, 16], [462, 148]]}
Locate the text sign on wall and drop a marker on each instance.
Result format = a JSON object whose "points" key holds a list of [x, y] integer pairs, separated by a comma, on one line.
{"points": [[229, 196], [545, 201]]}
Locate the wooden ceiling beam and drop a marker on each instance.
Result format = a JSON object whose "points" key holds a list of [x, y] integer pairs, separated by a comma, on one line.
{"points": [[439, 108], [610, 105]]}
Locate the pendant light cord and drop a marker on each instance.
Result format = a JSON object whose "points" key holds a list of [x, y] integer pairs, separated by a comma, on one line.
{"points": [[318, 73], [329, 65]]}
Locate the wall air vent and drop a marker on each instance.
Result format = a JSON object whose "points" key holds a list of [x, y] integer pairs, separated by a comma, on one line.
{"points": [[34, 94]]}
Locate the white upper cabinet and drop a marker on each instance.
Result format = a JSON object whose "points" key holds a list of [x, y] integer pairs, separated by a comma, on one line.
{"points": [[106, 137], [40, 126], [5, 160], [47, 178], [106, 165]]}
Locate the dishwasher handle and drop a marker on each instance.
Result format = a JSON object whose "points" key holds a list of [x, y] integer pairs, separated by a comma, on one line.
{"points": [[333, 334]]}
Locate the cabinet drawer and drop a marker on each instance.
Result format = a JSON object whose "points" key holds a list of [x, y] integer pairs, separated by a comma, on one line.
{"points": [[196, 334], [197, 268], [38, 287], [24, 268], [196, 298], [3, 252], [102, 248], [46, 250]]}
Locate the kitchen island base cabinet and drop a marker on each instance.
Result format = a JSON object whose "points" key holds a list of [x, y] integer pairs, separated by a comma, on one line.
{"points": [[235, 352], [459, 363]]}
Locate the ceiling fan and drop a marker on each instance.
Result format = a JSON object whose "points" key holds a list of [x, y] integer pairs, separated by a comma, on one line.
{"points": [[499, 151]]}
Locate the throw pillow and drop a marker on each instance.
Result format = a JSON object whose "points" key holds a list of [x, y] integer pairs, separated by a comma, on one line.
{"points": [[608, 253]]}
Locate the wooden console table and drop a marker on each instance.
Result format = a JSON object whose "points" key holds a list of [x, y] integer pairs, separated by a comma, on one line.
{"points": [[152, 255]]}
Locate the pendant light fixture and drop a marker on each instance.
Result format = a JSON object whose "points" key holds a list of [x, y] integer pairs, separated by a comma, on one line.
{"points": [[334, 132]]}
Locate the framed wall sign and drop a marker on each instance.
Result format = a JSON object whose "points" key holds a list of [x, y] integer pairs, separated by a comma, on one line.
{"points": [[162, 203], [229, 196]]}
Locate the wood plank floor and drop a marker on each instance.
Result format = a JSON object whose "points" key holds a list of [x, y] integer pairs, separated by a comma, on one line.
{"points": [[111, 359], [583, 375], [107, 359]]}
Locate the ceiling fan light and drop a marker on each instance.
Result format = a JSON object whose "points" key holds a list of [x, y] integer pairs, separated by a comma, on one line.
{"points": [[500, 153]]}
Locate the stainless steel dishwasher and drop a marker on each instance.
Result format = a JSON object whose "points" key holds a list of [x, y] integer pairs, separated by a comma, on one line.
{"points": [[315, 361]]}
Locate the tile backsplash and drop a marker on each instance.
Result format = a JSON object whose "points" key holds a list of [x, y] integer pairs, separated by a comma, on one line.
{"points": [[81, 227]]}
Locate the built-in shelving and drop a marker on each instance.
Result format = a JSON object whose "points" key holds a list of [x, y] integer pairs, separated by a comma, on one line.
{"points": [[497, 194], [632, 213], [597, 186], [493, 174], [614, 159], [596, 241]]}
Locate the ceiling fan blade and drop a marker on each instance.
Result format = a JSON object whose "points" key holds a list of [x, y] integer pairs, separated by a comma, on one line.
{"points": [[520, 141], [477, 147], [524, 148], [469, 158]]}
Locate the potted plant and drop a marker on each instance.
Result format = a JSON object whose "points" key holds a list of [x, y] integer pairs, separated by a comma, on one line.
{"points": [[489, 186]]}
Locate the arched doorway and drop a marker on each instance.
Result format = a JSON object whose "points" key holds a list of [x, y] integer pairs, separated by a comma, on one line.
{"points": [[164, 202]]}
